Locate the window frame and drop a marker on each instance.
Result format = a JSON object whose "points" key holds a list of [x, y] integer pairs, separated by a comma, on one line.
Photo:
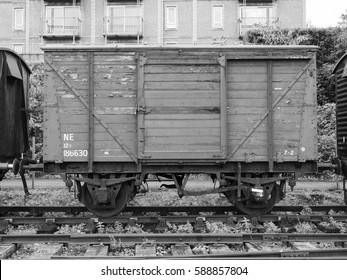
{"points": [[268, 10], [61, 20], [169, 25], [214, 24], [124, 7], [18, 26]]}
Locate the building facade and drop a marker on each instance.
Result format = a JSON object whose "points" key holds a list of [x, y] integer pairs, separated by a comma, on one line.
{"points": [[30, 24]]}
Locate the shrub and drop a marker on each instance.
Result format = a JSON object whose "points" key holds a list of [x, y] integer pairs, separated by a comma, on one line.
{"points": [[35, 105], [326, 125]]}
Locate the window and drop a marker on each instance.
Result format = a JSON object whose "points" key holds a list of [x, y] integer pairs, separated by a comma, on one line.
{"points": [[217, 16], [18, 48], [124, 20], [19, 19], [171, 17], [251, 16], [257, 15], [62, 20]]}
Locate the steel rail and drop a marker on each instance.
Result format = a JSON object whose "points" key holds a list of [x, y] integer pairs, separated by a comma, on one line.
{"points": [[170, 209], [199, 238], [228, 219]]}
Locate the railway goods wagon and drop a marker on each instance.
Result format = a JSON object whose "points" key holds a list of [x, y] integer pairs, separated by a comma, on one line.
{"points": [[243, 115], [14, 87], [340, 72]]}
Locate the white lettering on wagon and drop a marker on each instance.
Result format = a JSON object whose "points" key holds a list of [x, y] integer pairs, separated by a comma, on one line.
{"points": [[68, 139], [75, 153], [288, 153]]}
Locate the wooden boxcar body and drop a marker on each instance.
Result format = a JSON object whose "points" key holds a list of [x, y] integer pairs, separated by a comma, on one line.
{"points": [[340, 72], [246, 115], [14, 87]]}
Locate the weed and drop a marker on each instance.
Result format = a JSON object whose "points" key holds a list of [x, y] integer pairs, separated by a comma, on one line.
{"points": [[271, 227], [219, 227], [305, 228], [201, 250], [306, 210], [244, 225], [75, 229], [185, 228], [134, 229]]}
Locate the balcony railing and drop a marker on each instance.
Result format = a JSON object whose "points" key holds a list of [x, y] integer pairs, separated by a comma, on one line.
{"points": [[61, 26], [123, 26], [247, 23]]}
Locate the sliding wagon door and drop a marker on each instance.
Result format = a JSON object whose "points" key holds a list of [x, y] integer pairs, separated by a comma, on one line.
{"points": [[182, 110]]}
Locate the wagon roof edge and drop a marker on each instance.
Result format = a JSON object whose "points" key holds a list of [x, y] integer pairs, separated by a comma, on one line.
{"points": [[17, 55], [144, 47], [338, 62]]}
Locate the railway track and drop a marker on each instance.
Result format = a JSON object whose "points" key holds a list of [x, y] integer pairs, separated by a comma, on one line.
{"points": [[200, 239], [39, 210], [106, 246], [163, 220]]}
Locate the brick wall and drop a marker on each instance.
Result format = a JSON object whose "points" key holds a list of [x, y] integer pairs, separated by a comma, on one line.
{"points": [[194, 22]]}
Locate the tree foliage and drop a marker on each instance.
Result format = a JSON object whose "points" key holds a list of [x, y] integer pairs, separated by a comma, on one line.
{"points": [[35, 106], [343, 20], [332, 43], [326, 128]]}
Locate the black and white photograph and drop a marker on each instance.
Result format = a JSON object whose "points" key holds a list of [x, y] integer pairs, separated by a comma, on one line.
{"points": [[173, 139]]}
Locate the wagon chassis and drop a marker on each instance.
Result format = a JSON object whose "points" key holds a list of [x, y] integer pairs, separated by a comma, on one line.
{"points": [[106, 194]]}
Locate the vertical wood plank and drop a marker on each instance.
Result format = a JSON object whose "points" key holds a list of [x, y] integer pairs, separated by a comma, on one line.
{"points": [[223, 106], [51, 124], [91, 112], [307, 149], [141, 109], [270, 124]]}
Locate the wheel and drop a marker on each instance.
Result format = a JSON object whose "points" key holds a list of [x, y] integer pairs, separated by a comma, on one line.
{"points": [[248, 204], [107, 210]]}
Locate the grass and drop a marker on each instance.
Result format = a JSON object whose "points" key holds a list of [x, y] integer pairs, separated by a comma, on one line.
{"points": [[46, 197]]}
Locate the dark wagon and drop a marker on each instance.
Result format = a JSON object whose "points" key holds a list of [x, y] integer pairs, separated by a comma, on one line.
{"points": [[340, 72], [243, 115], [14, 87]]}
